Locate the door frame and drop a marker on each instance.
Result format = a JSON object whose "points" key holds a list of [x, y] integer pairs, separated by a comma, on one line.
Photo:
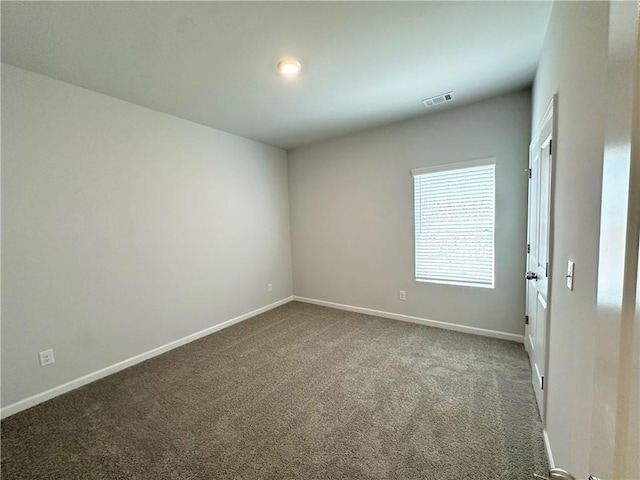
{"points": [[550, 115]]}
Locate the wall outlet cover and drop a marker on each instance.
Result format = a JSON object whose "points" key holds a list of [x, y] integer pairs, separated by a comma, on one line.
{"points": [[46, 357]]}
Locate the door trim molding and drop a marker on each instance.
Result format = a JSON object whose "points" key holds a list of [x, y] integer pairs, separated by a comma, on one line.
{"points": [[553, 107], [550, 115]]}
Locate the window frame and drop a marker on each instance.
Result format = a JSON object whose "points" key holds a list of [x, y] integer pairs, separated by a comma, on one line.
{"points": [[417, 172]]}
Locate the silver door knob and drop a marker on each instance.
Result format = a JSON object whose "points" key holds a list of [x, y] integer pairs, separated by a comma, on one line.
{"points": [[557, 474], [531, 276], [560, 474]]}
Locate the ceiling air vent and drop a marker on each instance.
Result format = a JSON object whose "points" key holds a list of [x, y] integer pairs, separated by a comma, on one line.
{"points": [[438, 99]]}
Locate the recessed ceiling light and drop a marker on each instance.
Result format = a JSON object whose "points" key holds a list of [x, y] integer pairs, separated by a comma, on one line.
{"points": [[289, 67]]}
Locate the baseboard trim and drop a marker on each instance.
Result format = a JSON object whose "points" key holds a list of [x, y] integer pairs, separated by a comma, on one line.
{"points": [[92, 377], [547, 447], [422, 321]]}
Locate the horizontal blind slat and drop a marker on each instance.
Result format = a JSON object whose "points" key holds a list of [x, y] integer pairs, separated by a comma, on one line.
{"points": [[471, 277]]}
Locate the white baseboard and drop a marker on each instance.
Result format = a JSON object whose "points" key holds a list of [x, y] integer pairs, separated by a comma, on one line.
{"points": [[92, 377], [547, 447], [422, 321]]}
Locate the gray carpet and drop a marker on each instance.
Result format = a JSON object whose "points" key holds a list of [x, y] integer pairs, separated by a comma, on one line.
{"points": [[302, 392]]}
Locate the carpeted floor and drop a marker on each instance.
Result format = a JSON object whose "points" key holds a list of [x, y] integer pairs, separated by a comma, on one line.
{"points": [[300, 392]]}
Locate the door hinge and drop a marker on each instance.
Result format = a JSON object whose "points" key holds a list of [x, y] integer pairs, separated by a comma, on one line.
{"points": [[526, 319], [528, 248], [542, 382], [529, 172], [546, 270]]}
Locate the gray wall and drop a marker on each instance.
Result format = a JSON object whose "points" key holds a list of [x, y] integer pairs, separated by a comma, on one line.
{"points": [[124, 229], [573, 63], [352, 214]]}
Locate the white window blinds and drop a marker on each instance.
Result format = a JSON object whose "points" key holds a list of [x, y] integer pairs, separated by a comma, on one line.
{"points": [[454, 222]]}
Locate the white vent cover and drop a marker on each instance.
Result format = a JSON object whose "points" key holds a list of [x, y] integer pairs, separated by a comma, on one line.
{"points": [[438, 99]]}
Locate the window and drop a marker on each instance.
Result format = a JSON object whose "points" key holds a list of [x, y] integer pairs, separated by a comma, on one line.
{"points": [[454, 222]]}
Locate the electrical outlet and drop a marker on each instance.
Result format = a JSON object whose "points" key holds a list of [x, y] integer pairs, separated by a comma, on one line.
{"points": [[402, 295], [46, 358], [270, 287]]}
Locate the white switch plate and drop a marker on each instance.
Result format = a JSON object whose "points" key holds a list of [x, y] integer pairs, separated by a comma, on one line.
{"points": [[570, 269], [402, 295], [270, 287], [46, 358]]}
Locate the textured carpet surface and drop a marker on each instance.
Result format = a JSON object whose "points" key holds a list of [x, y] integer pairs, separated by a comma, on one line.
{"points": [[302, 392]]}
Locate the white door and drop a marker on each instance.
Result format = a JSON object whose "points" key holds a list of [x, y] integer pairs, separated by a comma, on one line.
{"points": [[537, 285], [615, 425]]}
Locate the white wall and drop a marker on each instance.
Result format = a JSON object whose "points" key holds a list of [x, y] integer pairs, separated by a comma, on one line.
{"points": [[573, 63], [124, 229], [352, 214]]}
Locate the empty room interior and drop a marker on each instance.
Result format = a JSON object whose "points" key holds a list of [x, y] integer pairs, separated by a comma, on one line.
{"points": [[320, 240]]}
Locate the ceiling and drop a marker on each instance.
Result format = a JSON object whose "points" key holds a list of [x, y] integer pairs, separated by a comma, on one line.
{"points": [[363, 63]]}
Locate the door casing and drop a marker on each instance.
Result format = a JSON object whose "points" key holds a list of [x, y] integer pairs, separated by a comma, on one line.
{"points": [[539, 294]]}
